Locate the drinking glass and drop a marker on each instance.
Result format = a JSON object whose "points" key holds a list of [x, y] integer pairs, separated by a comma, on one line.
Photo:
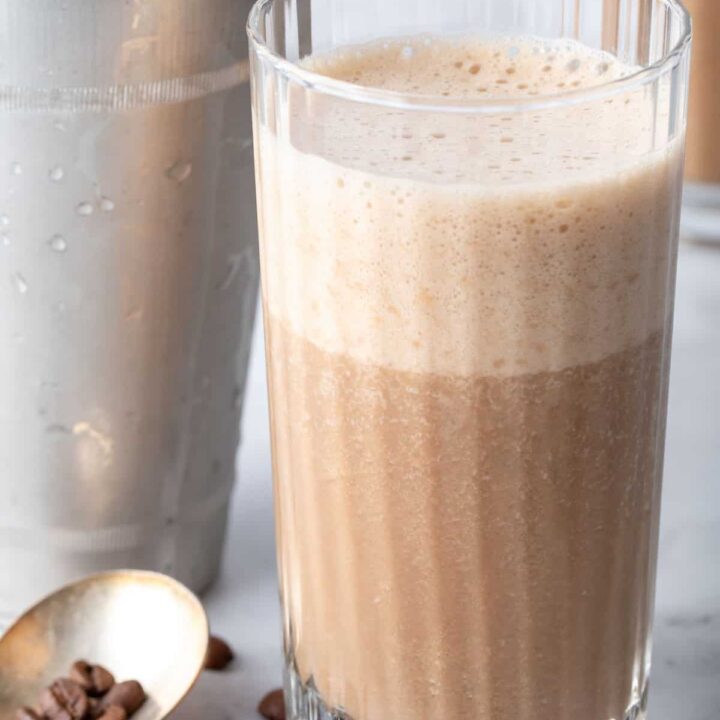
{"points": [[468, 277]]}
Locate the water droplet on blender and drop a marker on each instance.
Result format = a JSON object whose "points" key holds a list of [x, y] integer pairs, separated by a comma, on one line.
{"points": [[58, 429], [58, 243], [20, 283], [59, 126], [56, 174], [84, 208], [4, 220], [4, 239], [180, 171], [106, 204], [237, 398], [16, 168], [235, 265]]}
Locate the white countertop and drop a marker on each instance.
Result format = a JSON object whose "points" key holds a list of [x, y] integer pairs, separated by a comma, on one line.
{"points": [[243, 604]]}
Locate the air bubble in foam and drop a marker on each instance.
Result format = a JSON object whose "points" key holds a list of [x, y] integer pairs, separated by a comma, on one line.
{"points": [[573, 65]]}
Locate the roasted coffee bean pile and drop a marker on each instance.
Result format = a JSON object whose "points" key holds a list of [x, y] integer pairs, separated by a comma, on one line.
{"points": [[89, 693]]}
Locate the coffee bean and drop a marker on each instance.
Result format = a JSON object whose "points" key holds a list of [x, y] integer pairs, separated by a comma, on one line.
{"points": [[114, 712], [102, 679], [94, 710], [129, 695], [94, 679], [27, 713], [64, 700], [81, 673], [219, 654], [272, 706]]}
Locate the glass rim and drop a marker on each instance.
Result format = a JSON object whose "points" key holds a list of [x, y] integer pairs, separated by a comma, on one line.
{"points": [[397, 100]]}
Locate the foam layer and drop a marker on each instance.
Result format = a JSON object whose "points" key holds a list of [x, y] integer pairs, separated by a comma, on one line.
{"points": [[469, 68], [470, 244]]}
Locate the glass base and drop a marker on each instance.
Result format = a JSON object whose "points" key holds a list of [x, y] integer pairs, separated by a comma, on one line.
{"points": [[701, 212], [303, 701]]}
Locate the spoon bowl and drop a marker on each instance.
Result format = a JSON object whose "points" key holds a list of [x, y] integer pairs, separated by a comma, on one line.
{"points": [[139, 625]]}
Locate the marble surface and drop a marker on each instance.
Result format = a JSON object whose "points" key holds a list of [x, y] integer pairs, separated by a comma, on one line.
{"points": [[686, 677]]}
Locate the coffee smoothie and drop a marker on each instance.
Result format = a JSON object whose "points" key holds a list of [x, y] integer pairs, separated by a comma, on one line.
{"points": [[703, 138], [466, 344]]}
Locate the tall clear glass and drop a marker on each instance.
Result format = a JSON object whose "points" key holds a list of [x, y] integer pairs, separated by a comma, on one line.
{"points": [[469, 216]]}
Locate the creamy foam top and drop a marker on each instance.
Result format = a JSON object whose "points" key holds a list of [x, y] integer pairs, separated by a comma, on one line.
{"points": [[466, 67], [466, 243]]}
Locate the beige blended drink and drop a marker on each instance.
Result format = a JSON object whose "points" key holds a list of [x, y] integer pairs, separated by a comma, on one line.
{"points": [[467, 316]]}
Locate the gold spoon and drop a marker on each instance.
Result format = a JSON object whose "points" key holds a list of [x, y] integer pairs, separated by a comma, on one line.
{"points": [[139, 625]]}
